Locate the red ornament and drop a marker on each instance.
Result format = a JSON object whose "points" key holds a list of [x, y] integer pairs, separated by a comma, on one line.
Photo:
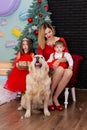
{"points": [[39, 1], [40, 15], [36, 32], [30, 20], [46, 7]]}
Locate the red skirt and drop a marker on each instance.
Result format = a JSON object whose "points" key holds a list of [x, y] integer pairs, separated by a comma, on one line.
{"points": [[16, 81]]}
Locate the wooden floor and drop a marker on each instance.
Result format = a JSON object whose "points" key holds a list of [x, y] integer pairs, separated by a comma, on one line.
{"points": [[74, 118]]}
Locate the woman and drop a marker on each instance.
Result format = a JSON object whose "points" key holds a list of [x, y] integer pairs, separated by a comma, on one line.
{"points": [[61, 76]]}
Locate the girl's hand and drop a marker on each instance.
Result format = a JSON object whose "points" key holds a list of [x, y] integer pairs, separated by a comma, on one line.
{"points": [[32, 55], [22, 65], [17, 65]]}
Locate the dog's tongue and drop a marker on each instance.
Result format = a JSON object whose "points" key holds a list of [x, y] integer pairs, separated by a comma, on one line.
{"points": [[38, 64]]}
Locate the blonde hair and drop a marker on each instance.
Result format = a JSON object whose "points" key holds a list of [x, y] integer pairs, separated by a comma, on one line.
{"points": [[41, 37]]}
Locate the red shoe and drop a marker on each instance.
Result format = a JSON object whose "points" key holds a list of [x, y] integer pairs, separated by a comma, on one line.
{"points": [[59, 108], [51, 107]]}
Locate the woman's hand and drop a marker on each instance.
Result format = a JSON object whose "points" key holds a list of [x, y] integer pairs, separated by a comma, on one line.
{"points": [[56, 64], [70, 67]]}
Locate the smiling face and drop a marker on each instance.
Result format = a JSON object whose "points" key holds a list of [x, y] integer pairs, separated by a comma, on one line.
{"points": [[48, 33]]}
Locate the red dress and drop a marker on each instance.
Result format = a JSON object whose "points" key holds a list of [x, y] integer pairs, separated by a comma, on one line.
{"points": [[16, 81], [50, 49]]}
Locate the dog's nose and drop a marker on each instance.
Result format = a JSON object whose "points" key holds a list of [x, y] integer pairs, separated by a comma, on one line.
{"points": [[37, 58]]}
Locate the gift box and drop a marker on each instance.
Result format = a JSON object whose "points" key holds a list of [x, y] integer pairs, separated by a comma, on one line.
{"points": [[23, 65]]}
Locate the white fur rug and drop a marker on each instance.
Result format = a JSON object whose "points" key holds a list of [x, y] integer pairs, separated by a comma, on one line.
{"points": [[5, 95]]}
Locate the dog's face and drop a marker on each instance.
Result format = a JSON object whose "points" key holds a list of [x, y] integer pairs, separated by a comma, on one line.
{"points": [[38, 63]]}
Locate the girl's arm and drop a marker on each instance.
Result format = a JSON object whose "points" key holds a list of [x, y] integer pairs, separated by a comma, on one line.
{"points": [[16, 59], [32, 55]]}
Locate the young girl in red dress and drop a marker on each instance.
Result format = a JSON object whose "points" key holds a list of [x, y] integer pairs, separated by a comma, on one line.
{"points": [[16, 81]]}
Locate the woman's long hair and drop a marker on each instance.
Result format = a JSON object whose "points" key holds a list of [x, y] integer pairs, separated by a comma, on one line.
{"points": [[41, 34]]}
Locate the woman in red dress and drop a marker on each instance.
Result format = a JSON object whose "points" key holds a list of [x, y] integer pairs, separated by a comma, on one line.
{"points": [[61, 76], [16, 81]]}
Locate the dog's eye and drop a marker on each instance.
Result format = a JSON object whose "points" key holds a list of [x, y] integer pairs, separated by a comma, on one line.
{"points": [[42, 57]]}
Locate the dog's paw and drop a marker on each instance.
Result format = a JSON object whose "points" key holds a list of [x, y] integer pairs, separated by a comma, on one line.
{"points": [[46, 113], [27, 114], [20, 108]]}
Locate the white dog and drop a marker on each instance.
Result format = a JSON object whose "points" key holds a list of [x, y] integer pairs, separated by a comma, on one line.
{"points": [[37, 86]]}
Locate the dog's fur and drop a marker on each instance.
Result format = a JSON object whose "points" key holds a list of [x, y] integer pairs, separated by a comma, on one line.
{"points": [[37, 86]]}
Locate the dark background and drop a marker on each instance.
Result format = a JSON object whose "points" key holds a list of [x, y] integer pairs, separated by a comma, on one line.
{"points": [[70, 20]]}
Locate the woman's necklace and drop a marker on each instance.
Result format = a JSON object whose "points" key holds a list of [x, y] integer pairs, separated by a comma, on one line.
{"points": [[51, 41]]}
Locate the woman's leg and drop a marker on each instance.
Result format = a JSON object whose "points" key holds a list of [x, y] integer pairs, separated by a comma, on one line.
{"points": [[62, 84], [58, 73]]}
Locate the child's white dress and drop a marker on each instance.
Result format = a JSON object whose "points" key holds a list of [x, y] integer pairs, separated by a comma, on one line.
{"points": [[5, 95]]}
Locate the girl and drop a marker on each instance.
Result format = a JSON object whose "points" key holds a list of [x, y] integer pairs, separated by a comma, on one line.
{"points": [[61, 76], [16, 81]]}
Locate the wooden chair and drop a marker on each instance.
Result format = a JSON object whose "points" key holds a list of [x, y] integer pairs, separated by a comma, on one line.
{"points": [[71, 85]]}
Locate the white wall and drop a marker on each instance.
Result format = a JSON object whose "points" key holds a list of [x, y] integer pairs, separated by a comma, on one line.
{"points": [[13, 20]]}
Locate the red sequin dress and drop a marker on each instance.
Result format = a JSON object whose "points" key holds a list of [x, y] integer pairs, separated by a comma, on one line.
{"points": [[50, 49], [16, 81]]}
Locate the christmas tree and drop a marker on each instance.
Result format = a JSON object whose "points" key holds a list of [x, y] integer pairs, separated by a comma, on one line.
{"points": [[38, 13]]}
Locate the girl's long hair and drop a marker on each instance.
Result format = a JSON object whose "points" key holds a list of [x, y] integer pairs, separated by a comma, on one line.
{"points": [[41, 34], [30, 46]]}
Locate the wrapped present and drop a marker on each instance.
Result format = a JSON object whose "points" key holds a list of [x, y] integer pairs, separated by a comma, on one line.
{"points": [[23, 65]]}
